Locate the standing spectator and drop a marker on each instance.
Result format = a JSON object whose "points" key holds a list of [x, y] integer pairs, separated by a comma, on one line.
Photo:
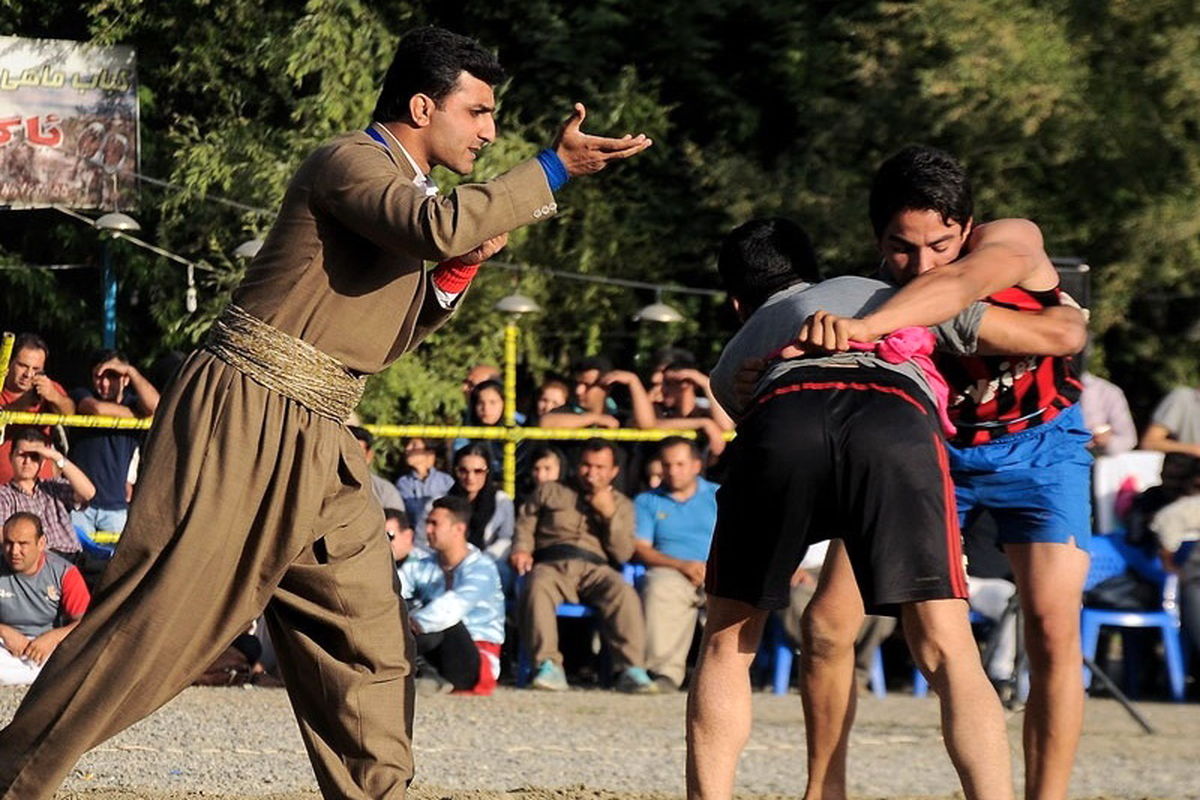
{"points": [[423, 482], [687, 395], [387, 494], [568, 542], [457, 608], [555, 410], [674, 528], [490, 527], [37, 589], [51, 500], [105, 455], [28, 388], [1175, 425], [1106, 415]]}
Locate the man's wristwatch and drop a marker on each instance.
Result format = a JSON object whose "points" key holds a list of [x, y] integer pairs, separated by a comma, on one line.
{"points": [[61, 461]]}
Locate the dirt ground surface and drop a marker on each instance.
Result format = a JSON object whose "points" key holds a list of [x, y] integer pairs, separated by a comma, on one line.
{"points": [[238, 744]]}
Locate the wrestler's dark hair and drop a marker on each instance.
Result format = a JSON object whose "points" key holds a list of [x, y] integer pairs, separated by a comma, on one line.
{"points": [[428, 61], [676, 441], [26, 516], [30, 341], [459, 507], [920, 178], [398, 514], [763, 256]]}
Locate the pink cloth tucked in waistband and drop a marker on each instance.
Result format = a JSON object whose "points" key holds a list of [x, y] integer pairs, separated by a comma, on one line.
{"points": [[915, 344]]}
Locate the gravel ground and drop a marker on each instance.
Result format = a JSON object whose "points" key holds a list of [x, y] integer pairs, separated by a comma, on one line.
{"points": [[243, 743]]}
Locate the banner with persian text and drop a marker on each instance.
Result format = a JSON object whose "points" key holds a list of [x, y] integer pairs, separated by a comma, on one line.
{"points": [[68, 124]]}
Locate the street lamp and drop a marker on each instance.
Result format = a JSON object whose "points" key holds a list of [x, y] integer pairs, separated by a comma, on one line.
{"points": [[514, 305], [658, 311], [115, 223]]}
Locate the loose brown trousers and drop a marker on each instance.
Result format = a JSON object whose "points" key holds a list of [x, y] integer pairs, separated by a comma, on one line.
{"points": [[283, 519]]}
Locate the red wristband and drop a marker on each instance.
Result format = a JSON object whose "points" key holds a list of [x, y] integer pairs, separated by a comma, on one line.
{"points": [[453, 276]]}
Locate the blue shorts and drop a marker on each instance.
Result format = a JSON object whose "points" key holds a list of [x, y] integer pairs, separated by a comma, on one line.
{"points": [[1036, 483]]}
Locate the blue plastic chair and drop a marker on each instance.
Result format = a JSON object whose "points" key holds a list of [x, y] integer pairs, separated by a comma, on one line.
{"points": [[633, 574], [99, 550], [782, 655], [1112, 556]]}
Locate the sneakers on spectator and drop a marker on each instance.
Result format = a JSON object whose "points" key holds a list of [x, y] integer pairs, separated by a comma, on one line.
{"points": [[550, 676], [635, 680]]}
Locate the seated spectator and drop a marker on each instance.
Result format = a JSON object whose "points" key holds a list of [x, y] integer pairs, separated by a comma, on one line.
{"points": [[456, 608], [479, 373], [1175, 424], [487, 410], [569, 544], [399, 533], [1178, 478], [1106, 415], [588, 393], [51, 500], [555, 410], [490, 528], [38, 591], [652, 473], [386, 493], [1177, 528], [106, 455], [545, 463], [687, 395], [674, 528], [28, 388], [422, 482]]}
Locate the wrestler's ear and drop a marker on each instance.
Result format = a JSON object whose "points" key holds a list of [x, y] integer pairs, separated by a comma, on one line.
{"points": [[420, 109], [968, 227]]}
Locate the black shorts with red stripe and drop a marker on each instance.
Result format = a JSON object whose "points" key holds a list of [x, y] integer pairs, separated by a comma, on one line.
{"points": [[839, 453]]}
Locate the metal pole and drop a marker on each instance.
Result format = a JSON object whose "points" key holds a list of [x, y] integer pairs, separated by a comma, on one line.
{"points": [[110, 299], [510, 407], [5, 356]]}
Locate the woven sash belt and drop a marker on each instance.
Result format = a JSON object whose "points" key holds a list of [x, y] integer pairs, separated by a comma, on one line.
{"points": [[285, 364]]}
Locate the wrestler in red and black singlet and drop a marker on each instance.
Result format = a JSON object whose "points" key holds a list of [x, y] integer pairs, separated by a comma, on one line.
{"points": [[992, 396]]}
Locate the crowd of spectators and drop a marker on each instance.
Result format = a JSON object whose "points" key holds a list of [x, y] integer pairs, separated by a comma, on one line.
{"points": [[482, 570]]}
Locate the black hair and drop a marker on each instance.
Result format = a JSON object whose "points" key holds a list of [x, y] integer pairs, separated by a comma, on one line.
{"points": [[27, 433], [474, 449], [459, 507], [676, 441], [429, 61], [30, 341], [598, 445], [920, 178], [108, 354], [398, 514], [27, 516], [362, 434], [548, 451], [763, 256], [586, 363]]}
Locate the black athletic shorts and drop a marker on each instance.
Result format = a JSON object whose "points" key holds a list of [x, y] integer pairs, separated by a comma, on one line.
{"points": [[850, 453]]}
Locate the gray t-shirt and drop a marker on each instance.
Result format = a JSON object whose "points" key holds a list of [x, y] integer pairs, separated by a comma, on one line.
{"points": [[776, 323], [1179, 413]]}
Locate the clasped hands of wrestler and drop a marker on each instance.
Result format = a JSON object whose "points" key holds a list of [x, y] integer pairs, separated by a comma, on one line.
{"points": [[582, 154], [821, 333]]}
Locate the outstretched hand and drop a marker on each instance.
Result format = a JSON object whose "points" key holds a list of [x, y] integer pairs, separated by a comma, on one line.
{"points": [[582, 153], [484, 251]]}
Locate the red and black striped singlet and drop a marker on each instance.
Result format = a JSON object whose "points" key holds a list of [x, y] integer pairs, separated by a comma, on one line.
{"points": [[991, 396]]}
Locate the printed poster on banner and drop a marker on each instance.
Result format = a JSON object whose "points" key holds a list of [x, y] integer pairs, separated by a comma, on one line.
{"points": [[68, 124]]}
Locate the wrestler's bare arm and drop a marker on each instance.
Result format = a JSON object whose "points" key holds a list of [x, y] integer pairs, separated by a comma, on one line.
{"points": [[1054, 331]]}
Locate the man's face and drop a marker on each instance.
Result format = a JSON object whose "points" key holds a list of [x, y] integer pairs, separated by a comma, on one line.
{"points": [[915, 242], [442, 530], [26, 460], [477, 375], [400, 539], [677, 392], [462, 124], [680, 468], [552, 397], [586, 380], [27, 363], [546, 469], [597, 469], [108, 383], [23, 548]]}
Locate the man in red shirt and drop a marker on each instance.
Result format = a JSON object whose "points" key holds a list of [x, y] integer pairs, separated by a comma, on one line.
{"points": [[37, 590], [28, 388]]}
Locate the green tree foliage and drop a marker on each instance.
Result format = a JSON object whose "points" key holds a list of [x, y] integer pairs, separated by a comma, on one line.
{"points": [[1083, 116]]}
